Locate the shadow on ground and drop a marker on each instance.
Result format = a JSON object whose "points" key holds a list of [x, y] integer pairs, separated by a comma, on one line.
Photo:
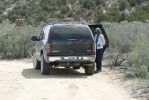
{"points": [[31, 73]]}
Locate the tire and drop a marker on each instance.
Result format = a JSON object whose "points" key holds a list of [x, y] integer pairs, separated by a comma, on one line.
{"points": [[36, 63], [45, 68], [89, 70]]}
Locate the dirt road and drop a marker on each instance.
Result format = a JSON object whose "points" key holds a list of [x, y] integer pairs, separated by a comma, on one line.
{"points": [[19, 81]]}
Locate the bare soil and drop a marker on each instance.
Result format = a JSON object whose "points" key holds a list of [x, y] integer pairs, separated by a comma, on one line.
{"points": [[19, 81]]}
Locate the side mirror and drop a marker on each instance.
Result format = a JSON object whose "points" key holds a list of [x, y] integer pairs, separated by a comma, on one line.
{"points": [[34, 38]]}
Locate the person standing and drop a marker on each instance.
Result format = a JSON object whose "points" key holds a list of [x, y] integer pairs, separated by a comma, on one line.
{"points": [[100, 42]]}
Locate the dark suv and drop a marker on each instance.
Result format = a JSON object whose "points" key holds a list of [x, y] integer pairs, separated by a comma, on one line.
{"points": [[64, 45]]}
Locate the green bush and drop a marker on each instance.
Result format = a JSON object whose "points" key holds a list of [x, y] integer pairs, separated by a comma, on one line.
{"points": [[133, 58], [98, 2], [143, 71], [15, 42], [132, 2], [132, 40], [64, 9], [141, 14], [123, 4], [88, 4], [1, 19], [39, 11]]}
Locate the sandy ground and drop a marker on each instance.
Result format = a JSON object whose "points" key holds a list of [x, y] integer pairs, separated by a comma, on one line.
{"points": [[19, 81]]}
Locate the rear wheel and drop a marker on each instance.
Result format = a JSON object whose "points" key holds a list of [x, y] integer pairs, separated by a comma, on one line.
{"points": [[45, 69], [89, 70]]}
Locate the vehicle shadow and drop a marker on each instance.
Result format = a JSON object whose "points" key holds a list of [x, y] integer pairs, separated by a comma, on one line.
{"points": [[31, 73]]}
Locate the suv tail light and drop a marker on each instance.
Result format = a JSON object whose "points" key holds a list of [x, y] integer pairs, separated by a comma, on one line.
{"points": [[48, 48], [94, 48]]}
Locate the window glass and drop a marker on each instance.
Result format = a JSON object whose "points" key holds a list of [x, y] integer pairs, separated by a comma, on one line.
{"points": [[66, 32]]}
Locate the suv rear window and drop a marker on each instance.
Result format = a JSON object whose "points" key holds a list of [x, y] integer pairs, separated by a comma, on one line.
{"points": [[66, 32]]}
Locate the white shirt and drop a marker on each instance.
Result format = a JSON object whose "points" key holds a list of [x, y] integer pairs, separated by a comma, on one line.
{"points": [[100, 41]]}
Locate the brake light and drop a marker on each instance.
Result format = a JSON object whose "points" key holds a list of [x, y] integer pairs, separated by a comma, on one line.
{"points": [[48, 48], [94, 48]]}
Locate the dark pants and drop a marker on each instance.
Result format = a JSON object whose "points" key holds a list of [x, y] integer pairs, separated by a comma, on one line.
{"points": [[98, 60]]}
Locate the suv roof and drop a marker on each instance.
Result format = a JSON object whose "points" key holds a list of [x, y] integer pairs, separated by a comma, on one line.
{"points": [[71, 24]]}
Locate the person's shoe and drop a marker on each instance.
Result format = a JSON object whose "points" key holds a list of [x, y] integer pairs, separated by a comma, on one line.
{"points": [[98, 70]]}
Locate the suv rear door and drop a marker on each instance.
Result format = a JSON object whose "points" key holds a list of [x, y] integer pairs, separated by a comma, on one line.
{"points": [[71, 40], [93, 28]]}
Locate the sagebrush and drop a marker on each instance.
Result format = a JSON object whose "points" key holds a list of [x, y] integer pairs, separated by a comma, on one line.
{"points": [[15, 42], [129, 42]]}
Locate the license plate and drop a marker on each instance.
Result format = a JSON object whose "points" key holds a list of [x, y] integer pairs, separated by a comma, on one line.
{"points": [[72, 58]]}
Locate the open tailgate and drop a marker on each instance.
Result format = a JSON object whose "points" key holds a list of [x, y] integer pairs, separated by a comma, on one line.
{"points": [[93, 28]]}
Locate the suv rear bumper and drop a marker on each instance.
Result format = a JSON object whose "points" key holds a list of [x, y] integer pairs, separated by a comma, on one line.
{"points": [[80, 59]]}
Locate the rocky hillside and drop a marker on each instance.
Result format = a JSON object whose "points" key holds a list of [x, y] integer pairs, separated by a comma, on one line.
{"points": [[41, 11]]}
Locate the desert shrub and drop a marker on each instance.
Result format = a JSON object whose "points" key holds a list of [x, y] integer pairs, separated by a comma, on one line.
{"points": [[12, 17], [103, 17], [88, 4], [132, 2], [129, 41], [123, 4], [1, 19], [140, 57], [70, 14], [39, 11], [16, 43], [120, 38], [133, 58], [143, 71], [98, 2], [141, 14], [64, 9]]}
